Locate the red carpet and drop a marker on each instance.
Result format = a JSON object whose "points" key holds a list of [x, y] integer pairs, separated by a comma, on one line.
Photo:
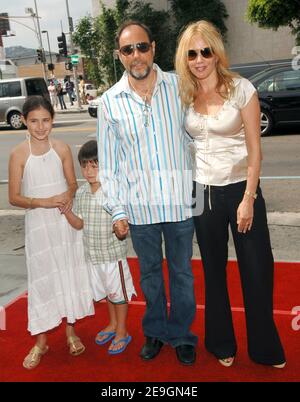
{"points": [[96, 365]]}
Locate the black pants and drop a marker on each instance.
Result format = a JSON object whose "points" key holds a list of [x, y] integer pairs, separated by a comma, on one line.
{"points": [[256, 266]]}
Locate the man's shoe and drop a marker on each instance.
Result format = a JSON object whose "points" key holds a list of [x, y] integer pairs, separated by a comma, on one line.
{"points": [[186, 354], [151, 348]]}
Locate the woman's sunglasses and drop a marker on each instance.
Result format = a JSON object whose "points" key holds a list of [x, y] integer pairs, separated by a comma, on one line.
{"points": [[142, 47], [206, 52]]}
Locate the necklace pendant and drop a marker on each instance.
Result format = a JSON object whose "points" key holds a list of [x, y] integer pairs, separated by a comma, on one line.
{"points": [[146, 119], [146, 114]]}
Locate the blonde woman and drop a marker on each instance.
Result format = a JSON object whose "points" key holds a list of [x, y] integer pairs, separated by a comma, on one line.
{"points": [[223, 118]]}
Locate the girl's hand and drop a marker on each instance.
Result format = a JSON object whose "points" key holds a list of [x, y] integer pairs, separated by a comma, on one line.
{"points": [[67, 207], [53, 202], [65, 197], [68, 202], [245, 214]]}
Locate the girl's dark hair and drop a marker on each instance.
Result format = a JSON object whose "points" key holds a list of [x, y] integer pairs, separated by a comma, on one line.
{"points": [[88, 153], [127, 24], [36, 102]]}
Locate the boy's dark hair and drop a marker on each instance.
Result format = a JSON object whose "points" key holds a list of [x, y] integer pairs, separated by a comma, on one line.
{"points": [[35, 102], [88, 153], [127, 24]]}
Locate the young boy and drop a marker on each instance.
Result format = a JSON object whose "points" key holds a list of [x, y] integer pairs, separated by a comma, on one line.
{"points": [[105, 253]]}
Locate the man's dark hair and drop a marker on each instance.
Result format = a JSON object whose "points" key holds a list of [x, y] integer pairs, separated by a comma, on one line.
{"points": [[35, 102], [88, 153], [127, 24]]}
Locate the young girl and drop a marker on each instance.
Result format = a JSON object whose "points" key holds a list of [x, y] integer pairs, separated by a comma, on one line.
{"points": [[42, 180]]}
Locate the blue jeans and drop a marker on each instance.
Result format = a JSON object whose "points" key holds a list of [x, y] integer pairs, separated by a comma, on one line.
{"points": [[172, 328]]}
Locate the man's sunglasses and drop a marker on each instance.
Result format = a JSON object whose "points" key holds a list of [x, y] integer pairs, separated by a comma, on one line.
{"points": [[142, 47], [206, 52]]}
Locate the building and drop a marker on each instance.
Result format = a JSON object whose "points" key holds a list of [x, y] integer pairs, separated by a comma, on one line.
{"points": [[29, 66], [8, 69], [246, 43]]}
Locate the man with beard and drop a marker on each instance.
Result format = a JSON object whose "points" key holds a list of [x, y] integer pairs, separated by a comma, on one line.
{"points": [[144, 170]]}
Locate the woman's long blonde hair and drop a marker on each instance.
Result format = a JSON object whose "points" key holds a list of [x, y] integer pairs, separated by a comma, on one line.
{"points": [[188, 85]]}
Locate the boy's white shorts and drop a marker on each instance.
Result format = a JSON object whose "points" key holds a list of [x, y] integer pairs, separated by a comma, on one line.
{"points": [[112, 280]]}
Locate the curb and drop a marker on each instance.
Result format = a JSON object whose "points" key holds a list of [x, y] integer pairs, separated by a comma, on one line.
{"points": [[69, 111]]}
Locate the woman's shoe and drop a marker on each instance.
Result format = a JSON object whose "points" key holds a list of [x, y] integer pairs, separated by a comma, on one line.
{"points": [[227, 362], [279, 366], [75, 345], [33, 359]]}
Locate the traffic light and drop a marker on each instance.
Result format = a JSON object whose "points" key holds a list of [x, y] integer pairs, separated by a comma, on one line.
{"points": [[62, 45], [40, 55]]}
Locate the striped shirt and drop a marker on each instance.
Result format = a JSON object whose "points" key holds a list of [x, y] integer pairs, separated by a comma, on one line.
{"points": [[143, 152], [100, 244]]}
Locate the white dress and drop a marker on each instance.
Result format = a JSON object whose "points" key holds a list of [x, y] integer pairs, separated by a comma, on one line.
{"points": [[58, 281]]}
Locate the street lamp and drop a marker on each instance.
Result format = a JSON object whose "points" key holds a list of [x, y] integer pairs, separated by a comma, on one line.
{"points": [[35, 15], [51, 65], [48, 45]]}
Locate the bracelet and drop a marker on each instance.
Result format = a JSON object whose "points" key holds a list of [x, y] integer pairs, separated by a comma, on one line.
{"points": [[30, 202], [249, 194]]}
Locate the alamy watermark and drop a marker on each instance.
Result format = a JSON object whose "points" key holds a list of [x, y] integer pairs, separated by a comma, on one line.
{"points": [[158, 189], [296, 320]]}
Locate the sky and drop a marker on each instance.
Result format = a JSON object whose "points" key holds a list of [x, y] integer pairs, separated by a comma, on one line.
{"points": [[52, 12]]}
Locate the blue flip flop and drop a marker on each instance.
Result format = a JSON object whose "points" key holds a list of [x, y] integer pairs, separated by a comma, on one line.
{"points": [[109, 336], [125, 340]]}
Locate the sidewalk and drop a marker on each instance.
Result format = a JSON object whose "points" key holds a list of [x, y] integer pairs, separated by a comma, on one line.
{"points": [[72, 109]]}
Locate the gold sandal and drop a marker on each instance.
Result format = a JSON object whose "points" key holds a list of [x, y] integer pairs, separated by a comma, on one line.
{"points": [[74, 349], [33, 359]]}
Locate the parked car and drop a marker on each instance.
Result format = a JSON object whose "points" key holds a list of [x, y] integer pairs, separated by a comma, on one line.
{"points": [[279, 95], [246, 70], [93, 107], [13, 93], [90, 89]]}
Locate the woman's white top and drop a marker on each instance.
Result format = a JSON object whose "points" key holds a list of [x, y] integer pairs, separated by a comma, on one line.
{"points": [[219, 148]]}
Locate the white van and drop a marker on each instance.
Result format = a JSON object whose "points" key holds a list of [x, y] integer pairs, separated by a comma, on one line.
{"points": [[13, 93]]}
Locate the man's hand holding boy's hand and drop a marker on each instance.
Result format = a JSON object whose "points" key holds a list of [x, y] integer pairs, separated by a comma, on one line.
{"points": [[121, 229]]}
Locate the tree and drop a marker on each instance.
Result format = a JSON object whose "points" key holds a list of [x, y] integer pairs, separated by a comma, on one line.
{"points": [[107, 25], [96, 38], [276, 13], [86, 36], [186, 11], [161, 28]]}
